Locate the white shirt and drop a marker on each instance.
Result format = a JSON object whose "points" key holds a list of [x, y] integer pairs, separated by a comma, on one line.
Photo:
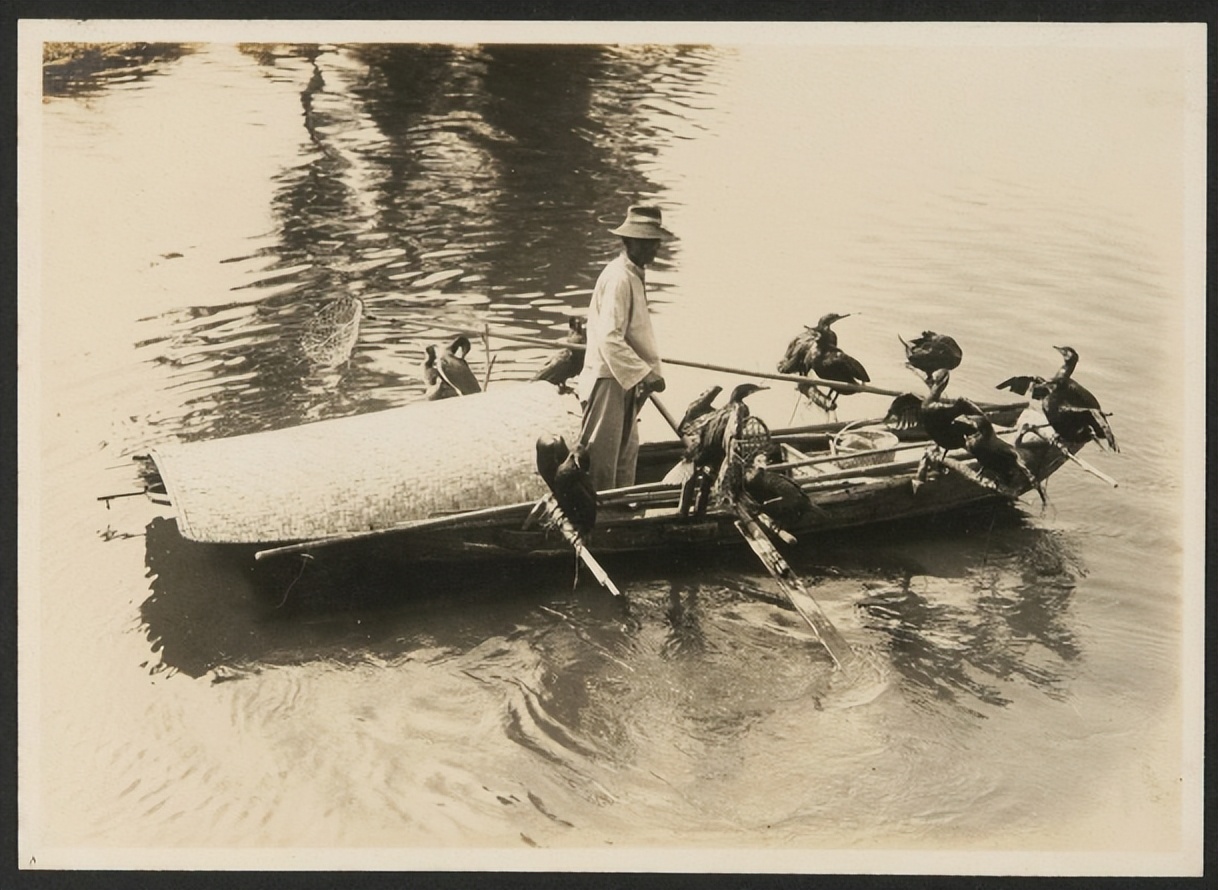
{"points": [[621, 343]]}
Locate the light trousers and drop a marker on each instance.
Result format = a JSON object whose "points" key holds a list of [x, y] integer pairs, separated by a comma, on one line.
{"points": [[610, 432]]}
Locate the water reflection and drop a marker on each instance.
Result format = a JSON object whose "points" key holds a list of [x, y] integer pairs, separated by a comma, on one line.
{"points": [[83, 69], [685, 633], [431, 179], [1006, 619], [214, 608]]}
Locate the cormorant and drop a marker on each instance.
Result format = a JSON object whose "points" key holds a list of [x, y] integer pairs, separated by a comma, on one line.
{"points": [[931, 352], [940, 418], [776, 495], [798, 357], [996, 456], [574, 491], [454, 370], [709, 440], [1071, 409], [552, 450], [435, 386], [830, 363], [569, 362], [699, 407]]}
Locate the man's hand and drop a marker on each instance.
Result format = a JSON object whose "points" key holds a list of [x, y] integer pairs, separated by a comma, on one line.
{"points": [[653, 382]]}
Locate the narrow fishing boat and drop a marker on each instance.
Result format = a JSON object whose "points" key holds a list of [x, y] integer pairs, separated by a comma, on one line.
{"points": [[460, 480], [455, 480]]}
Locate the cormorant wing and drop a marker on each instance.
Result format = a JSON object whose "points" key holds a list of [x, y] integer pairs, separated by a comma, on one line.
{"points": [[456, 373], [904, 413], [1021, 384], [1097, 421], [855, 367]]}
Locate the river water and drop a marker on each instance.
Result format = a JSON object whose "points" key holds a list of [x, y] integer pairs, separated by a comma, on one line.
{"points": [[1025, 689]]}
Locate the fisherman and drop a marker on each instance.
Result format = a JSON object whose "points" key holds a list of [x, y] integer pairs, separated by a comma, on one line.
{"points": [[622, 363]]}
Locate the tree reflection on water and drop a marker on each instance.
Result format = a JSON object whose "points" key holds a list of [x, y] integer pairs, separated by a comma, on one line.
{"points": [[432, 179], [84, 69]]}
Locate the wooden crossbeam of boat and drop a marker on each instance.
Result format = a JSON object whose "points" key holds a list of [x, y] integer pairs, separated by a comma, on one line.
{"points": [[610, 497]]}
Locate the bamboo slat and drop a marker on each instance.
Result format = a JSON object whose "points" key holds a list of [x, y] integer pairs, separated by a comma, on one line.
{"points": [[366, 472]]}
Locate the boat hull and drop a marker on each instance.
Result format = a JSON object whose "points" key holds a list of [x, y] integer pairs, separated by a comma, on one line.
{"points": [[848, 491]]}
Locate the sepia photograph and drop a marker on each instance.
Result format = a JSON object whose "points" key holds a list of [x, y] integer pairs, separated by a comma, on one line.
{"points": [[611, 446]]}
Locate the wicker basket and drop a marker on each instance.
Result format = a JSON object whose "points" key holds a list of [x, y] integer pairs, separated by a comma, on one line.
{"points": [[861, 446]]}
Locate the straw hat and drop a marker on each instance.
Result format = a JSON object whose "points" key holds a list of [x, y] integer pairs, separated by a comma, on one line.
{"points": [[643, 221]]}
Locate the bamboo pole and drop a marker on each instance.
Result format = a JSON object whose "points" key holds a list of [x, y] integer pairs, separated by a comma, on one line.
{"points": [[668, 416], [704, 366], [1099, 474]]}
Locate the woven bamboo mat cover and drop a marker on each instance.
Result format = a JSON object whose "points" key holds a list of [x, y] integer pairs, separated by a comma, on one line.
{"points": [[368, 471]]}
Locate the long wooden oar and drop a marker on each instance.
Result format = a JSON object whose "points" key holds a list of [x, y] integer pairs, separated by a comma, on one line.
{"points": [[705, 366], [803, 602], [790, 584], [554, 518]]}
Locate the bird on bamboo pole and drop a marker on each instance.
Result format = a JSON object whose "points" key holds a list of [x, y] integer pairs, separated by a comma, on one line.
{"points": [[1072, 411], [574, 491], [710, 442], [454, 370], [1001, 460], [568, 362], [829, 362], [798, 357], [937, 417], [931, 352]]}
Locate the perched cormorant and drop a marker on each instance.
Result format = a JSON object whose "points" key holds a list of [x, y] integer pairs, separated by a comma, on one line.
{"points": [[552, 450], [699, 407], [996, 456], [569, 362], [435, 386], [1071, 409], [574, 491], [938, 418], [778, 496], [941, 418], [1074, 412], [454, 370], [931, 352], [708, 441], [798, 357], [830, 363]]}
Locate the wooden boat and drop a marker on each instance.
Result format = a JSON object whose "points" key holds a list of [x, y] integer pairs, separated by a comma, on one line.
{"points": [[849, 486], [365, 481]]}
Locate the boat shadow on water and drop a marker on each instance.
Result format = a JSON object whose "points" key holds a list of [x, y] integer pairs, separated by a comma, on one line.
{"points": [[958, 607]]}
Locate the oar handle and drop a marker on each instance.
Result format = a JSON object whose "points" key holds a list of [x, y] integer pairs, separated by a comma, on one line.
{"points": [[704, 366], [672, 421]]}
